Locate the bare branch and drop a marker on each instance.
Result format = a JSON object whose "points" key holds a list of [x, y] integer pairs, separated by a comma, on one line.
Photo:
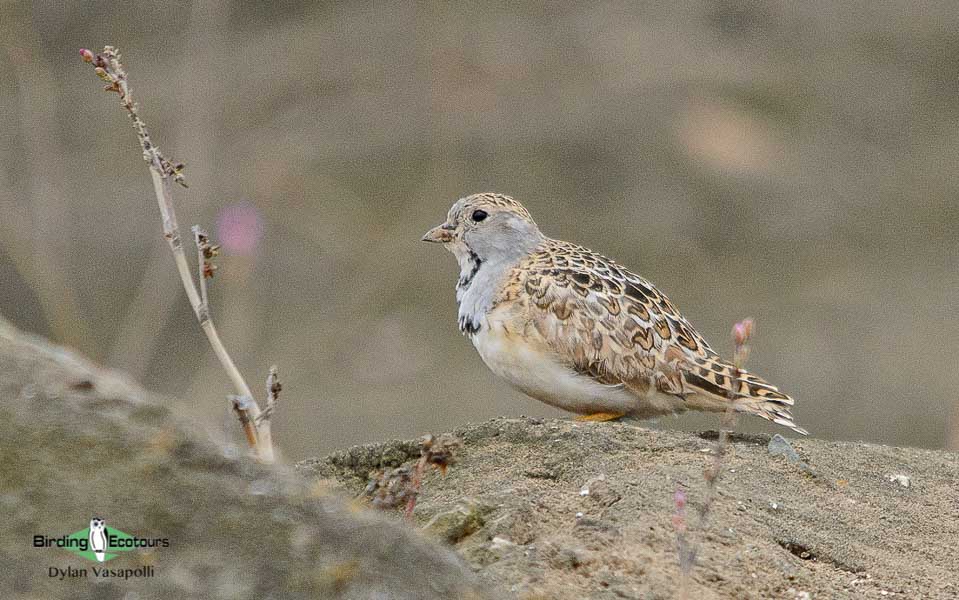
{"points": [[108, 67], [241, 406], [264, 421], [205, 252]]}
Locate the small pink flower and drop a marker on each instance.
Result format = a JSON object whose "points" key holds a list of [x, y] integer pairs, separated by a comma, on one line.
{"points": [[239, 228], [742, 331], [86, 55]]}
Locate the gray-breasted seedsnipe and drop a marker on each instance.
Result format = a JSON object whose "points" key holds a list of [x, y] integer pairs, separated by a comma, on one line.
{"points": [[577, 331]]}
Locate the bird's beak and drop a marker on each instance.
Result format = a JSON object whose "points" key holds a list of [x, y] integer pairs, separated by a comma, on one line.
{"points": [[439, 234]]}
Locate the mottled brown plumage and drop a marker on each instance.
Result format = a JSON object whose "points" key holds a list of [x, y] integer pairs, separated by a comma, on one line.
{"points": [[556, 305]]}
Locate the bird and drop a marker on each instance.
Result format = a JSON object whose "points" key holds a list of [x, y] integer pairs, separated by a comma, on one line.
{"points": [[574, 329]]}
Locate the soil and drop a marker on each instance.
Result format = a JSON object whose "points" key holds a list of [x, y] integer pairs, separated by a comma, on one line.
{"points": [[560, 509]]}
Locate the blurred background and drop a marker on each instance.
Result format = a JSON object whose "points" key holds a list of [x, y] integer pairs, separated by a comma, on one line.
{"points": [[790, 161]]}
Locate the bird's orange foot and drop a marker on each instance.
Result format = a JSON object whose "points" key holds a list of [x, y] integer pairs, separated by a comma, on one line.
{"points": [[600, 417]]}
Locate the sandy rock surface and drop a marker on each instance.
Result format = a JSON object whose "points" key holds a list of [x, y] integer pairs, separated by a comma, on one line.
{"points": [[538, 508], [558, 509], [79, 442]]}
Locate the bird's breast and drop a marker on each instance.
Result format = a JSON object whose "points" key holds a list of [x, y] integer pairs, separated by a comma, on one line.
{"points": [[513, 349]]}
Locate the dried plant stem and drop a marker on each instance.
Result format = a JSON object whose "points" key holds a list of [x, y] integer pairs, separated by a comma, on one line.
{"points": [[265, 419], [163, 174], [712, 474], [242, 414], [742, 332], [417, 484]]}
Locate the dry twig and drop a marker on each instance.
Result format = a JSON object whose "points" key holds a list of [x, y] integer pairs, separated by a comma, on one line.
{"points": [[393, 488], [164, 172], [264, 422], [433, 451], [742, 332]]}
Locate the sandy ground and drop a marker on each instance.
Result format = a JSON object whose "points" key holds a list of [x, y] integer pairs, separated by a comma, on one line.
{"points": [[558, 509]]}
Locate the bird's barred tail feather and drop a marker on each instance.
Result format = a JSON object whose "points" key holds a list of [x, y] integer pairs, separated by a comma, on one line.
{"points": [[749, 393]]}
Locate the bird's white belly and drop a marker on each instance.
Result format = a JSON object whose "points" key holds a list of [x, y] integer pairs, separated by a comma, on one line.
{"points": [[541, 375]]}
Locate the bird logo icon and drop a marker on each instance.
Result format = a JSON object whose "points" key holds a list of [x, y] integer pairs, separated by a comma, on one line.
{"points": [[98, 538]]}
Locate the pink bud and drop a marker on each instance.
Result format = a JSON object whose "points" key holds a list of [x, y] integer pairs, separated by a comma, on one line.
{"points": [[239, 227], [739, 334], [86, 55], [742, 331]]}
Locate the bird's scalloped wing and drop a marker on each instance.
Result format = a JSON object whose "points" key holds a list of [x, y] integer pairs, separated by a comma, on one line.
{"points": [[606, 322], [617, 328]]}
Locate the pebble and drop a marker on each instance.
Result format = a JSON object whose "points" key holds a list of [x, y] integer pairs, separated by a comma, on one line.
{"points": [[902, 480], [501, 545], [780, 446]]}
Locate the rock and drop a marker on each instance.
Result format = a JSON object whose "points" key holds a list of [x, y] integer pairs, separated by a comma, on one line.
{"points": [[902, 480], [454, 525], [500, 546], [780, 446], [79, 442]]}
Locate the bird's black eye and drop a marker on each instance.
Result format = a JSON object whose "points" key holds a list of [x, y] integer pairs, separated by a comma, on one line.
{"points": [[479, 215]]}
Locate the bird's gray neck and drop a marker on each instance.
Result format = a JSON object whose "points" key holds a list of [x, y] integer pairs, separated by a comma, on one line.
{"points": [[480, 282], [476, 290]]}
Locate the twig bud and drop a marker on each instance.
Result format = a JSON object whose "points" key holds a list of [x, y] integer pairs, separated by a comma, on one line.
{"points": [[742, 331], [86, 55], [273, 386]]}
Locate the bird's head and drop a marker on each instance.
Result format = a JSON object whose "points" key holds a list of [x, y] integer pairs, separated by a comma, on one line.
{"points": [[491, 227]]}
